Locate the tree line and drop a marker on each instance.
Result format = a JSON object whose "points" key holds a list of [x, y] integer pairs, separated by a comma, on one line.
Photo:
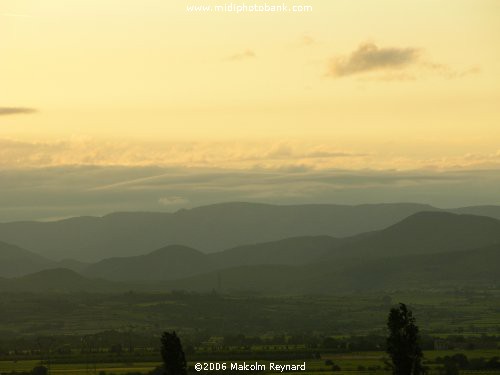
{"points": [[403, 345]]}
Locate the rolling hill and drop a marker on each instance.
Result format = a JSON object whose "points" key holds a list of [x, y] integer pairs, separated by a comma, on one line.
{"points": [[175, 261], [290, 251], [170, 262], [16, 261], [208, 228], [490, 211], [420, 233], [423, 233], [459, 269], [477, 267]]}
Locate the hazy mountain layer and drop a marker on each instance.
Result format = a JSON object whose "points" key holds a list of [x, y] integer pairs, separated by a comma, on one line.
{"points": [[15, 261], [421, 233], [173, 262], [209, 228], [471, 268], [423, 247], [462, 269]]}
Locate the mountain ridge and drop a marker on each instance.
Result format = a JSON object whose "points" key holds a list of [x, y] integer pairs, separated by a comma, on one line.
{"points": [[15, 261], [420, 233], [207, 228]]}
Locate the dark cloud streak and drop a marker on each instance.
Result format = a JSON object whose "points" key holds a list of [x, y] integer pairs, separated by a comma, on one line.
{"points": [[369, 57], [247, 54], [73, 191], [6, 111]]}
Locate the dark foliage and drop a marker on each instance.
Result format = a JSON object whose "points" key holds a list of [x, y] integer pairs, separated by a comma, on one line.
{"points": [[40, 370], [460, 361], [403, 344], [174, 361]]}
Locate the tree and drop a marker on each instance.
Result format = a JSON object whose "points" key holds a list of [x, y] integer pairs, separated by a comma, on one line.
{"points": [[450, 367], [174, 361], [403, 343], [40, 370]]}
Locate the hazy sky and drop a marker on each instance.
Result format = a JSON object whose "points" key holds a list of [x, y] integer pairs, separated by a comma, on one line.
{"points": [[369, 86]]}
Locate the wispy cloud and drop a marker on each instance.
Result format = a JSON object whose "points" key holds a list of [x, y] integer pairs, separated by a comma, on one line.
{"points": [[447, 72], [6, 111], [72, 190], [285, 155], [372, 62], [240, 155], [307, 40], [173, 201], [369, 57], [247, 54]]}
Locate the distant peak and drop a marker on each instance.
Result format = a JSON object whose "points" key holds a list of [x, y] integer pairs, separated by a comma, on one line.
{"points": [[438, 218]]}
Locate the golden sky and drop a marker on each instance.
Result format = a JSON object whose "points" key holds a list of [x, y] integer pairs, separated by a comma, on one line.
{"points": [[365, 83], [116, 105]]}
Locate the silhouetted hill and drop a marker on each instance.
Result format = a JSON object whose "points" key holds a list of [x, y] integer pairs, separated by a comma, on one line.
{"points": [[170, 262], [424, 248], [471, 268], [478, 267], [15, 261], [290, 251], [475, 267], [71, 264], [209, 228], [490, 211], [422, 233], [463, 268], [173, 262]]}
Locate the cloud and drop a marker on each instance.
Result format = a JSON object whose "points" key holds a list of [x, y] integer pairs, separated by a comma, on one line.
{"points": [[68, 191], [307, 40], [447, 72], [238, 155], [173, 201], [392, 64], [285, 155], [291, 151], [369, 57], [5, 111], [247, 54]]}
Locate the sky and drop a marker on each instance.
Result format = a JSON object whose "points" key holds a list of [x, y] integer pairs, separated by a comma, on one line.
{"points": [[204, 107]]}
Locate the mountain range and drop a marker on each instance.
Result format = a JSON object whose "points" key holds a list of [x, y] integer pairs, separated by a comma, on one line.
{"points": [[208, 228], [15, 261], [425, 248], [462, 269]]}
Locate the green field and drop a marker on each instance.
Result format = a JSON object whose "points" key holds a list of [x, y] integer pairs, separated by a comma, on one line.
{"points": [[356, 362], [119, 333], [79, 368], [439, 312]]}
